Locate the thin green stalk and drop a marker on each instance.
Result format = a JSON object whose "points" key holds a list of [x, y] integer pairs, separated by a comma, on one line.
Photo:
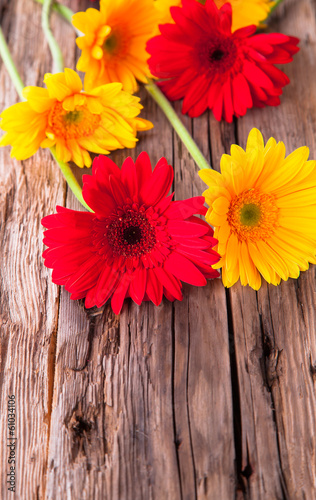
{"points": [[53, 45], [71, 180], [175, 121], [63, 11], [9, 64], [277, 2]]}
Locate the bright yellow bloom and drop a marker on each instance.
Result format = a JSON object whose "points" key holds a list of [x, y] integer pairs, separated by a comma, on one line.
{"points": [[114, 41], [263, 208], [74, 121], [245, 12]]}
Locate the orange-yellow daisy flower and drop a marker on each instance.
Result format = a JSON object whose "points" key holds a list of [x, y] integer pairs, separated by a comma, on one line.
{"points": [[263, 208], [73, 121], [114, 41], [245, 12]]}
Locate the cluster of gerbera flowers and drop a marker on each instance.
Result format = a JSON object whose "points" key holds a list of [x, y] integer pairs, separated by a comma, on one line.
{"points": [[136, 241], [198, 55]]}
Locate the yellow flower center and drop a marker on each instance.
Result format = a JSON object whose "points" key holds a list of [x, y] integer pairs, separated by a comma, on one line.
{"points": [[253, 215], [72, 124]]}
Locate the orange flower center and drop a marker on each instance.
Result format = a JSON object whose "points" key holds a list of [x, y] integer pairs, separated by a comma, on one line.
{"points": [[253, 215], [72, 124]]}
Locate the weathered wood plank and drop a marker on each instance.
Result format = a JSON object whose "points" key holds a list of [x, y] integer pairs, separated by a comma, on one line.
{"points": [[29, 301], [275, 334], [202, 369]]}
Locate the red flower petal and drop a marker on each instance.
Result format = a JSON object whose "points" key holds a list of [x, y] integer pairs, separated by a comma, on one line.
{"points": [[154, 288], [184, 209], [86, 275], [138, 286], [182, 268], [143, 169], [172, 284], [129, 177], [119, 295], [105, 285], [158, 185], [183, 229], [118, 191]]}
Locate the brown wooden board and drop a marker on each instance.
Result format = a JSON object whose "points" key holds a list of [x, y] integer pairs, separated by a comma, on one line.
{"points": [[209, 398]]}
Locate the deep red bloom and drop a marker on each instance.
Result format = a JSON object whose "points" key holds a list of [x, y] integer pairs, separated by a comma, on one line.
{"points": [[211, 67], [138, 243]]}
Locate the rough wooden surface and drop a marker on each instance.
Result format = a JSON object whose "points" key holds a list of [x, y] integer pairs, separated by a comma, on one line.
{"points": [[209, 398]]}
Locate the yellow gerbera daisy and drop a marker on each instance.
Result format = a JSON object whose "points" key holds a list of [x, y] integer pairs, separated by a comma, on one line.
{"points": [[114, 41], [263, 207], [245, 12], [74, 121]]}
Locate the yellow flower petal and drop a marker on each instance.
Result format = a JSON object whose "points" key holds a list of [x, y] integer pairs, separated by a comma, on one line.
{"points": [[56, 86], [232, 251], [38, 99], [215, 219], [255, 140], [73, 80], [221, 205]]}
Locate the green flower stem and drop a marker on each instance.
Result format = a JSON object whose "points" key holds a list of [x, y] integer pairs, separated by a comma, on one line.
{"points": [[277, 2], [63, 11], [182, 132], [71, 180], [53, 45], [9, 64]]}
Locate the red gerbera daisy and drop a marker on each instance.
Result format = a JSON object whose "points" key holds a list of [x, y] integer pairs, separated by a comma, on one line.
{"points": [[138, 243], [211, 67]]}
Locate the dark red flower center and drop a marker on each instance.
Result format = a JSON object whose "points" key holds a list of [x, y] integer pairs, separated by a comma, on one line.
{"points": [[218, 55], [131, 234]]}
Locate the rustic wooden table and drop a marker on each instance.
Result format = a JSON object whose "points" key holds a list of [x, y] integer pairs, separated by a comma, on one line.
{"points": [[209, 398]]}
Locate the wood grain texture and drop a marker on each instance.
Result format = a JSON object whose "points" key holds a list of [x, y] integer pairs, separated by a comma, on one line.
{"points": [[209, 398], [273, 347]]}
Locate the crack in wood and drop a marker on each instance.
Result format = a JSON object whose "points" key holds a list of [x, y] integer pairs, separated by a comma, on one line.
{"points": [[270, 374], [236, 396], [177, 440], [187, 404]]}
